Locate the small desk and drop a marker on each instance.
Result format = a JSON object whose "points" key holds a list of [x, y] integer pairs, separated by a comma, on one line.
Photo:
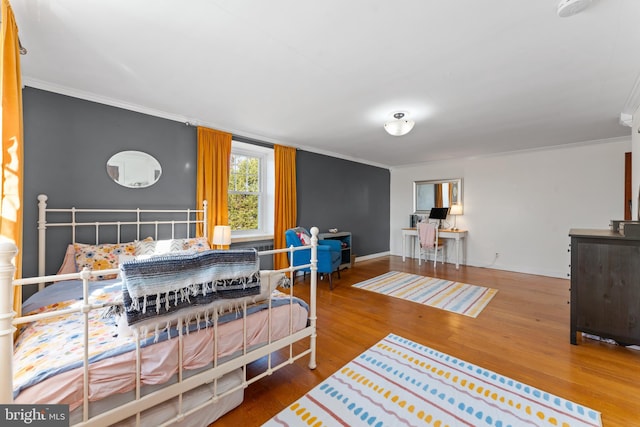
{"points": [[456, 235]]}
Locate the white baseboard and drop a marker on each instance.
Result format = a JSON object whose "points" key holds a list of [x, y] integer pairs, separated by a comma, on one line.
{"points": [[372, 256]]}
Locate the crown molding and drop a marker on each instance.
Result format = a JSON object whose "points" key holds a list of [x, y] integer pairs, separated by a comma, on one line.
{"points": [[190, 121], [626, 119], [633, 100], [615, 140], [89, 96]]}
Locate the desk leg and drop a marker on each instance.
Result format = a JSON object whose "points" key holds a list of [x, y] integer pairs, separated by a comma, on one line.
{"points": [[457, 253], [404, 246]]}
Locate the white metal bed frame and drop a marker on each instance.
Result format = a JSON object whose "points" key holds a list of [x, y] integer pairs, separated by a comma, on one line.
{"points": [[8, 321]]}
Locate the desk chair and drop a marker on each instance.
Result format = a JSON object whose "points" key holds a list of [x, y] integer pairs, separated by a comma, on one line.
{"points": [[429, 242]]}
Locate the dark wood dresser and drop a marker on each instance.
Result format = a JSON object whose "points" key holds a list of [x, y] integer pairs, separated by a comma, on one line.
{"points": [[605, 285]]}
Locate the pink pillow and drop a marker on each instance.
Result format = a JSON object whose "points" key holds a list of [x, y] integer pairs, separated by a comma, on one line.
{"points": [[304, 238], [69, 263]]}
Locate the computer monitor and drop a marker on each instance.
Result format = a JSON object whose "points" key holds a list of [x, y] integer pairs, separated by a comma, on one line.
{"points": [[439, 213]]}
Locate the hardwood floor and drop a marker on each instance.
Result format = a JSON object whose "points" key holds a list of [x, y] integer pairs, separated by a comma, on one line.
{"points": [[523, 333]]}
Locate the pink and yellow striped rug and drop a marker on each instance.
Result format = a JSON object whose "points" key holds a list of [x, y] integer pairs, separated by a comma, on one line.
{"points": [[398, 382], [456, 297]]}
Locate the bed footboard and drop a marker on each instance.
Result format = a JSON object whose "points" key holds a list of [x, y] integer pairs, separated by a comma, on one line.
{"points": [[7, 271]]}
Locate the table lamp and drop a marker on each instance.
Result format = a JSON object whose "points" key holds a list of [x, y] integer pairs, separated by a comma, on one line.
{"points": [[221, 236], [455, 210]]}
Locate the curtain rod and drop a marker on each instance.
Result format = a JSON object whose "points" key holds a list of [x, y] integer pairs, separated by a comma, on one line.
{"points": [[241, 138]]}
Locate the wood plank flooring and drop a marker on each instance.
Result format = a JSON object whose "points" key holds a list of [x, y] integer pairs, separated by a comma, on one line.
{"points": [[523, 333]]}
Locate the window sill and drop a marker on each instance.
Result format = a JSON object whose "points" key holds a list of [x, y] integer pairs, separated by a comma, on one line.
{"points": [[251, 238]]}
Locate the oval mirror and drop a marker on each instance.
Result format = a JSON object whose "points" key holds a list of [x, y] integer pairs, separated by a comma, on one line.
{"points": [[134, 169]]}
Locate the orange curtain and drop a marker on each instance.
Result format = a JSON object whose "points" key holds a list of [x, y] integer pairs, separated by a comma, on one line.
{"points": [[286, 202], [214, 156], [438, 196], [12, 142]]}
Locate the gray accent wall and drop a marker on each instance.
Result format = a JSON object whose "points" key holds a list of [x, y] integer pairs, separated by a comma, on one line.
{"points": [[347, 195], [67, 144], [69, 140]]}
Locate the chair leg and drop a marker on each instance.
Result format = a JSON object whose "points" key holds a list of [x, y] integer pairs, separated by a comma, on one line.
{"points": [[338, 270], [330, 282]]}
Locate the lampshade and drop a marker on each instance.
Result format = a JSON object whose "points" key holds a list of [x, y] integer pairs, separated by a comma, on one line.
{"points": [[221, 235], [455, 209], [399, 126]]}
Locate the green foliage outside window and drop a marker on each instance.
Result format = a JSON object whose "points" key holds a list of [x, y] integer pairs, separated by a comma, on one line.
{"points": [[244, 192]]}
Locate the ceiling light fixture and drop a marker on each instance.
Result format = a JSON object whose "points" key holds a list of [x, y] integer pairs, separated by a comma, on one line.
{"points": [[568, 8], [399, 125]]}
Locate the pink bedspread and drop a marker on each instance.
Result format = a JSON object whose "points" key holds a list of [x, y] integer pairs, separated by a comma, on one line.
{"points": [[160, 361]]}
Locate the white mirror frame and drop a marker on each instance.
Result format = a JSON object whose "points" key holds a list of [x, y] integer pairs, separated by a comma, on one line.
{"points": [[134, 169], [424, 194]]}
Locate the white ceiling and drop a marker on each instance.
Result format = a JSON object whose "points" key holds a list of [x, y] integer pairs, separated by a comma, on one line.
{"points": [[478, 77]]}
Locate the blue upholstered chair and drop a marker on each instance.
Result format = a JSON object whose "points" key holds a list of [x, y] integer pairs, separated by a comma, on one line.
{"points": [[329, 253]]}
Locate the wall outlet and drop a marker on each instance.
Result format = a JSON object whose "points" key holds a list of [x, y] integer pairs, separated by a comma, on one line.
{"points": [[497, 255]]}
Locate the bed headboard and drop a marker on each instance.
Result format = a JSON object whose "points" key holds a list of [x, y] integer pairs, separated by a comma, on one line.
{"points": [[117, 224]]}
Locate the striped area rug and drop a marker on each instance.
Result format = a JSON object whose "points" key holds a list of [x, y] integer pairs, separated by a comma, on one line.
{"points": [[398, 382], [456, 297]]}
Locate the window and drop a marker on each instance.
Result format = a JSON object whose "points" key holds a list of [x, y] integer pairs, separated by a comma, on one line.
{"points": [[251, 190]]}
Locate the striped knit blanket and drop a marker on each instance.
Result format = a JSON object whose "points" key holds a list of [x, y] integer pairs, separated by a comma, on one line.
{"points": [[166, 284]]}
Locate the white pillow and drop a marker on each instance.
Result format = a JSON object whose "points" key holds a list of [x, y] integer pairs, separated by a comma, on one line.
{"points": [[155, 247], [123, 327], [269, 281]]}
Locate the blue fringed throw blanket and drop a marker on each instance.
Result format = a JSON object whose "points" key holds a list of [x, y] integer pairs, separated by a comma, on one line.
{"points": [[165, 284]]}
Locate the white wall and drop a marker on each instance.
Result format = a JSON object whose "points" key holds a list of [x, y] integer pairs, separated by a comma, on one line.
{"points": [[522, 205]]}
